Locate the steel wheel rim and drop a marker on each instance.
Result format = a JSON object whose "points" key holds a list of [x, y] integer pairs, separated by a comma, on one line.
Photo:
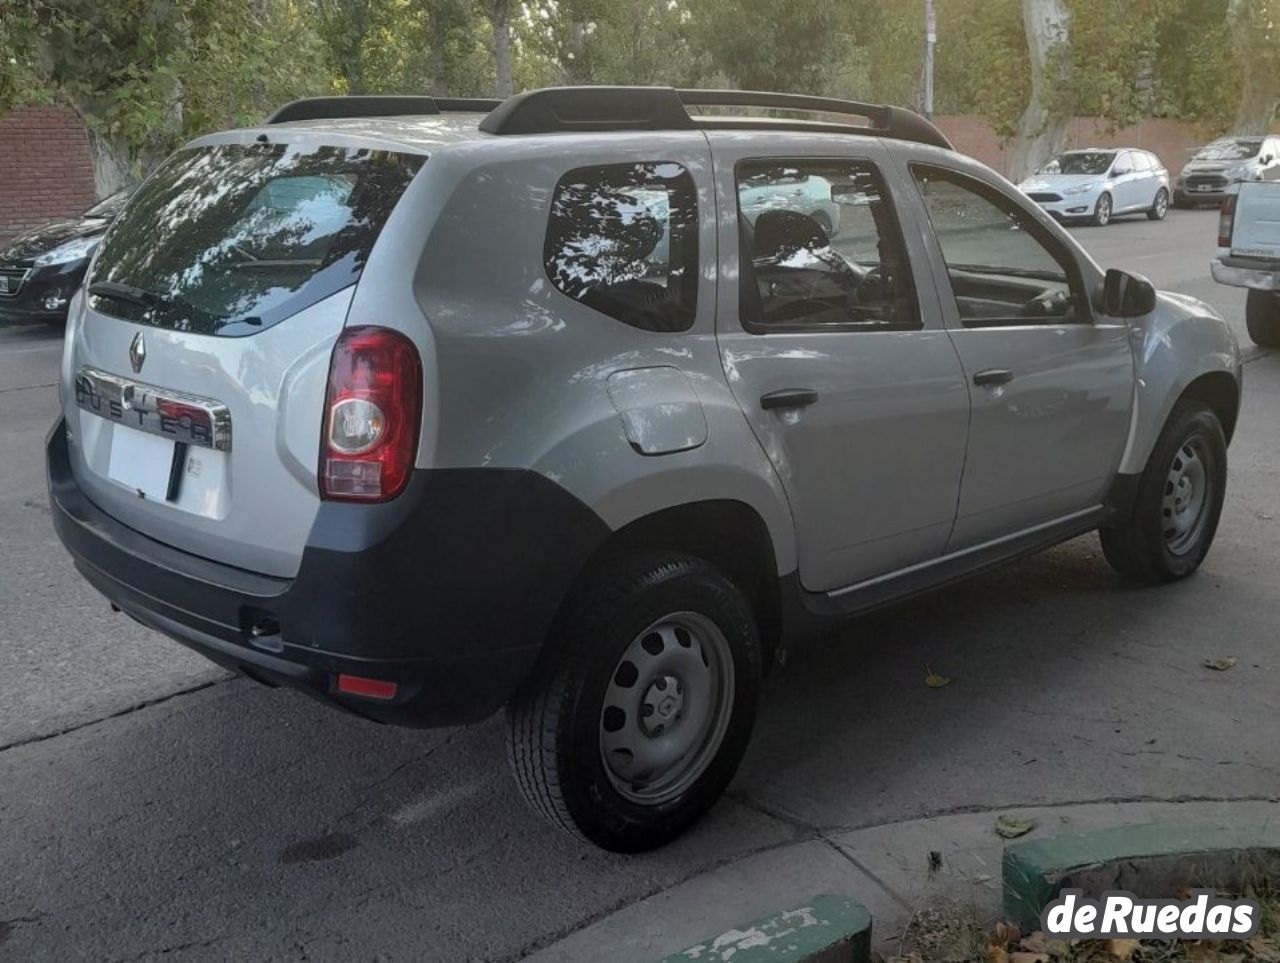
{"points": [[1184, 509], [1162, 204], [667, 708], [1104, 209]]}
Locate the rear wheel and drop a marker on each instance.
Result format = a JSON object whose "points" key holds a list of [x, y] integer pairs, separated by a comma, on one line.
{"points": [[1160, 206], [1102, 211], [1262, 315], [642, 706], [1173, 520]]}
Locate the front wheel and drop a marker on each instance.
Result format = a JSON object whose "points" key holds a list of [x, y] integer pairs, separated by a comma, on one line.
{"points": [[1171, 524], [641, 707], [1262, 316], [1102, 211], [1160, 206]]}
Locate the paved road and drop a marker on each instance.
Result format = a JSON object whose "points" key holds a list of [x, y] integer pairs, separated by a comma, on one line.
{"points": [[148, 806]]}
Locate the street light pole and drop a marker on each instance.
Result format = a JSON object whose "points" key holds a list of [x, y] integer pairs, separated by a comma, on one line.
{"points": [[930, 41]]}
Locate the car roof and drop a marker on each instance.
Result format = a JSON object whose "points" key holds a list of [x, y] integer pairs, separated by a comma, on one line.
{"points": [[415, 134]]}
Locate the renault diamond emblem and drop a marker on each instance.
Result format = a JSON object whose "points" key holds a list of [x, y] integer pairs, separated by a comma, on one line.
{"points": [[138, 352]]}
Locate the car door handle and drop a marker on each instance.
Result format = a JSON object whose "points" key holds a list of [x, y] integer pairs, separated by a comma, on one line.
{"points": [[789, 398], [993, 376]]}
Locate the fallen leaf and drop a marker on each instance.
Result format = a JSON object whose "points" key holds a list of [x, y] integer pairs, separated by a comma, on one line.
{"points": [[996, 953], [933, 680], [1011, 827], [1037, 942], [1122, 949], [1024, 957], [1004, 934], [1220, 665]]}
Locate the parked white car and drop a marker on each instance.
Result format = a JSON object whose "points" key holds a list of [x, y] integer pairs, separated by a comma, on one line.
{"points": [[1216, 168], [1249, 255], [1096, 184]]}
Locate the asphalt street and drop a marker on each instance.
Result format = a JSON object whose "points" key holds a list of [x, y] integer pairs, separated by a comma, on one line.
{"points": [[151, 806]]}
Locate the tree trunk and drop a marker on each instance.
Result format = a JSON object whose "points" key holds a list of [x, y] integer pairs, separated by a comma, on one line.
{"points": [[1043, 127], [112, 164], [500, 19], [1259, 87]]}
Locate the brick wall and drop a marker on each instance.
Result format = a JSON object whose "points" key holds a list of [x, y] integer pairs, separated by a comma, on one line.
{"points": [[45, 168]]}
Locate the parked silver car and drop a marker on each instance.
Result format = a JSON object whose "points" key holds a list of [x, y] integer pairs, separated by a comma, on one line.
{"points": [[430, 407], [1215, 168], [1096, 184]]}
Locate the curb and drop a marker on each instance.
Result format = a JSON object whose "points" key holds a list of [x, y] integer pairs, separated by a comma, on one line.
{"points": [[826, 929], [1150, 860]]}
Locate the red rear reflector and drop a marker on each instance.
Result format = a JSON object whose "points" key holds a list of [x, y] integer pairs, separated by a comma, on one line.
{"points": [[1227, 221], [368, 688]]}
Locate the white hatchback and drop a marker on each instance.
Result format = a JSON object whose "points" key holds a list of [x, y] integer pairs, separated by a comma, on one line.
{"points": [[1095, 185]]}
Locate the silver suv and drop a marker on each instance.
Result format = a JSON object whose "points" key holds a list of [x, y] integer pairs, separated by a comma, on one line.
{"points": [[431, 407]]}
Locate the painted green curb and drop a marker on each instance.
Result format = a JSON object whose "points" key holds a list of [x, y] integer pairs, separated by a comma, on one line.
{"points": [[1151, 860], [827, 929]]}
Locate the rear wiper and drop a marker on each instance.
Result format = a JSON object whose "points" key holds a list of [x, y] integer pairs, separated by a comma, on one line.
{"points": [[124, 292]]}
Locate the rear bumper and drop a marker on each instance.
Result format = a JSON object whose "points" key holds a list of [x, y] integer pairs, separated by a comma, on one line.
{"points": [[447, 591], [1262, 276]]}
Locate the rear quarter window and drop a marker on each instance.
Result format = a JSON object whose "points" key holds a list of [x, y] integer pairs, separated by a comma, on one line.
{"points": [[231, 239], [623, 240]]}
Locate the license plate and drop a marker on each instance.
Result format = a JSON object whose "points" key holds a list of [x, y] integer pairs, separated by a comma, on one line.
{"points": [[141, 462], [1204, 188]]}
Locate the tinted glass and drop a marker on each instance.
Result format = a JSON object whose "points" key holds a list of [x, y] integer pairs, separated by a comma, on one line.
{"points": [[232, 239], [1001, 272], [1140, 162], [820, 245], [1081, 162], [623, 240], [1233, 149]]}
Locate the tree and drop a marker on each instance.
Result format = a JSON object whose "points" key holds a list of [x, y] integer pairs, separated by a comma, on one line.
{"points": [[756, 47], [1255, 43], [499, 14], [1043, 126]]}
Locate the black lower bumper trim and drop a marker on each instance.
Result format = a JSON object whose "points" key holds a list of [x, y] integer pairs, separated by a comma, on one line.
{"points": [[449, 591]]}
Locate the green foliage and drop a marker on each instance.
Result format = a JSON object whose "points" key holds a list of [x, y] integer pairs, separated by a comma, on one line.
{"points": [[145, 74]]}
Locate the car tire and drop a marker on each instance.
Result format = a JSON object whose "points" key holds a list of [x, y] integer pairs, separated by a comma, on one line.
{"points": [[1102, 211], [633, 644], [1262, 317], [1160, 206], [1171, 524]]}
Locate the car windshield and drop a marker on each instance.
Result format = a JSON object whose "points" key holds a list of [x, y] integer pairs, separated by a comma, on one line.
{"points": [[233, 238], [109, 207], [1230, 150], [1080, 162]]}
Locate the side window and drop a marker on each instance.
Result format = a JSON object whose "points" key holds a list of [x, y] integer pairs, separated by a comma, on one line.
{"points": [[1140, 163], [1005, 268], [820, 247], [623, 240], [1123, 162]]}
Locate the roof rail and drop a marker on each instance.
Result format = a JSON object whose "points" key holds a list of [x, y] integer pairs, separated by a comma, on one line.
{"points": [[361, 105], [564, 109]]}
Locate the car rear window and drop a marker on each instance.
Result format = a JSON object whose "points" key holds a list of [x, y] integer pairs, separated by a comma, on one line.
{"points": [[233, 238], [623, 240]]}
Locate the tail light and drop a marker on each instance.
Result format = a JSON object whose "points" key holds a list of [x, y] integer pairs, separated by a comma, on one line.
{"points": [[1227, 220], [372, 411]]}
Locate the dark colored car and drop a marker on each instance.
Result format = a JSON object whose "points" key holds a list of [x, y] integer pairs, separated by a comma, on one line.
{"points": [[40, 270]]}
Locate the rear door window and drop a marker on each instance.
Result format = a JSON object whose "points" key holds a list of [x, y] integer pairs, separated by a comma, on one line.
{"points": [[231, 239], [623, 240]]}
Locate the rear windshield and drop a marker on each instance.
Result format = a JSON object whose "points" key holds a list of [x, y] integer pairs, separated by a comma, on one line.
{"points": [[234, 238]]}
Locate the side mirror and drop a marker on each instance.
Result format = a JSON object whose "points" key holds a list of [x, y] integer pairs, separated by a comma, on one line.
{"points": [[1127, 295]]}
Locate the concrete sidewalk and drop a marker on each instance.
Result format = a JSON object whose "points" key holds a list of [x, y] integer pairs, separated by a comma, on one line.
{"points": [[887, 868]]}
